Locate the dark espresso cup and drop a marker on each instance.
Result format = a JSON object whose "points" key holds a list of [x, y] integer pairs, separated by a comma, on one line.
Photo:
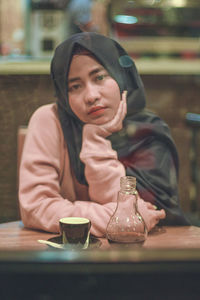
{"points": [[75, 232]]}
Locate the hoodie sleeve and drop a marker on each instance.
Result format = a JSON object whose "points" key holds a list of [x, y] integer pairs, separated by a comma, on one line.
{"points": [[102, 167], [41, 173]]}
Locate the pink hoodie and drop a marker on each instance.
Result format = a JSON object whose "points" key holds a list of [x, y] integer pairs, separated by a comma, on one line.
{"points": [[48, 190]]}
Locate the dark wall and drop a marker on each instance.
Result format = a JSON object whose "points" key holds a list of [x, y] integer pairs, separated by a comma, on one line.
{"points": [[169, 96]]}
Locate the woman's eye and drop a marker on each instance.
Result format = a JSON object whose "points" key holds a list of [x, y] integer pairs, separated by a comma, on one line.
{"points": [[74, 87], [100, 77]]}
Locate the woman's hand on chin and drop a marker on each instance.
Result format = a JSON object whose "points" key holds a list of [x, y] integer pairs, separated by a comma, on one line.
{"points": [[113, 125], [116, 123]]}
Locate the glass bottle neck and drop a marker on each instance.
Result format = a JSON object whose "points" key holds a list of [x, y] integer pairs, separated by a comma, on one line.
{"points": [[128, 193], [128, 185]]}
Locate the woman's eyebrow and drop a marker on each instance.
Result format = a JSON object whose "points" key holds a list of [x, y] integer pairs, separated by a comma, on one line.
{"points": [[73, 79], [95, 71]]}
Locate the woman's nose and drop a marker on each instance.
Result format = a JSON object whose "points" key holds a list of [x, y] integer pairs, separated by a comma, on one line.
{"points": [[91, 94]]}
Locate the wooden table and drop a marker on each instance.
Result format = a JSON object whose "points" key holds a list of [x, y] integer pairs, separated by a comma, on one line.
{"points": [[13, 236], [167, 266]]}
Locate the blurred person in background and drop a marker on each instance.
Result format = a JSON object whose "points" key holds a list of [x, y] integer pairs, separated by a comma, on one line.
{"points": [[88, 16], [80, 16]]}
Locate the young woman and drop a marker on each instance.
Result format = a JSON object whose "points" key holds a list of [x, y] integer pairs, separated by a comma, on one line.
{"points": [[77, 149]]}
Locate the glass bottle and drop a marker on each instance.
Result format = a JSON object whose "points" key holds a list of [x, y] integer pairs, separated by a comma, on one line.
{"points": [[126, 224]]}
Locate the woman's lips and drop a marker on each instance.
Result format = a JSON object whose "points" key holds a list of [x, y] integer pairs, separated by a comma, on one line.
{"points": [[97, 110]]}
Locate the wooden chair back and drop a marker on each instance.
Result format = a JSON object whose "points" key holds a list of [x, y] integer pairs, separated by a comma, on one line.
{"points": [[21, 135]]}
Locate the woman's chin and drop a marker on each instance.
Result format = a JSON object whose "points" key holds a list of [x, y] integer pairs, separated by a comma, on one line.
{"points": [[100, 120]]}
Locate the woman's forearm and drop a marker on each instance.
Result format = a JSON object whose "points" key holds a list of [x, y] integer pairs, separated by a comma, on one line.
{"points": [[102, 167]]}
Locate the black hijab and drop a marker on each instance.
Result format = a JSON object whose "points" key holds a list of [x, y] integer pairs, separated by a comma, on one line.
{"points": [[142, 130], [120, 66]]}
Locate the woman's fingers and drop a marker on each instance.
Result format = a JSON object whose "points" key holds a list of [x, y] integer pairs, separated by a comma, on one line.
{"points": [[150, 213], [116, 123], [151, 206], [161, 213], [124, 96], [124, 104]]}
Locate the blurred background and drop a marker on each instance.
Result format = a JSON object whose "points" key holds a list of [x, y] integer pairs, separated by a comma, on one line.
{"points": [[163, 38]]}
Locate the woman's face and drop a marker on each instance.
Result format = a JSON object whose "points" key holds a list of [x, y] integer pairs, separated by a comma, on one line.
{"points": [[94, 96]]}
